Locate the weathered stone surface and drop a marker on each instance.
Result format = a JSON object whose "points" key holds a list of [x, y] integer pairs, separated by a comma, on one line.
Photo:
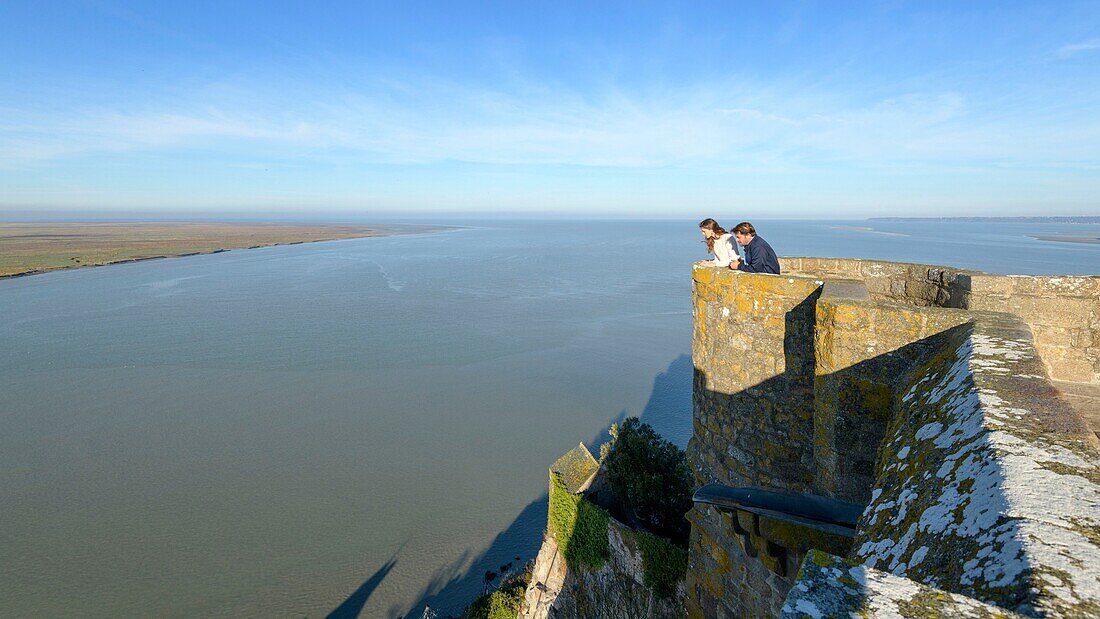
{"points": [[737, 565], [861, 347], [547, 579], [829, 586], [988, 484], [576, 468], [617, 590], [760, 397], [1068, 302], [797, 385]]}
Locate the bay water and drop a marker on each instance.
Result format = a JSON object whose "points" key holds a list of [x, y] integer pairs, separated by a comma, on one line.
{"points": [[359, 426]]}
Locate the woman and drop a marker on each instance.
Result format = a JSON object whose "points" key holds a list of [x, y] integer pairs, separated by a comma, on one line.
{"points": [[719, 245]]}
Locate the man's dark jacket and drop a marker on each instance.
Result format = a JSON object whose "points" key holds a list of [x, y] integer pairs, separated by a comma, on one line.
{"points": [[759, 257]]}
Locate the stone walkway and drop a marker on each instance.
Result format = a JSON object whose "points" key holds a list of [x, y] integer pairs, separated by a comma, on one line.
{"points": [[1085, 398]]}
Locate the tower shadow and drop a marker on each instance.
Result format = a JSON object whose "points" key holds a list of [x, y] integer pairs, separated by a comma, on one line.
{"points": [[669, 410], [353, 605], [453, 587]]}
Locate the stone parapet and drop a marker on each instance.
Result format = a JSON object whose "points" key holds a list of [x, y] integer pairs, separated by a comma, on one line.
{"points": [[988, 484], [813, 382], [861, 348], [754, 372], [1062, 311]]}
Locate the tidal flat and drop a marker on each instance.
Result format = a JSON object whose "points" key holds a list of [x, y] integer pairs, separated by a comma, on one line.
{"points": [[29, 248]]}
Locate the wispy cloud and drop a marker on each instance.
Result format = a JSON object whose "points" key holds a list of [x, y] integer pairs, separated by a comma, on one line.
{"points": [[418, 120], [1066, 51]]}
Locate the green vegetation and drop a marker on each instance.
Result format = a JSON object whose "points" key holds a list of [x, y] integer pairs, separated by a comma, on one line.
{"points": [[503, 603], [579, 526], [37, 247], [651, 477], [663, 563]]}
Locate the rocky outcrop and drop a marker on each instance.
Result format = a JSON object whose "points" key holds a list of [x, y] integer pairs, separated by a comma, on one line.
{"points": [[617, 588]]}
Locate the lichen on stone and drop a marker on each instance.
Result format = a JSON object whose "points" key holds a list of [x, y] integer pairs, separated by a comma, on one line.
{"points": [[829, 587], [1008, 504]]}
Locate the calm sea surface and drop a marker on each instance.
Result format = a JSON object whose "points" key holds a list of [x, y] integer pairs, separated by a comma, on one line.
{"points": [[359, 425]]}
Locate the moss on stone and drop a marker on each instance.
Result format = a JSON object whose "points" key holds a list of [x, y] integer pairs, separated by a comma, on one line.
{"points": [[504, 603], [575, 467], [579, 526], [663, 563], [1092, 474]]}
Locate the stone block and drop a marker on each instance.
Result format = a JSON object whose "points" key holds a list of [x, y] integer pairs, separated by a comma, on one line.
{"points": [[991, 285], [1052, 311], [922, 291], [943, 297], [898, 288], [1081, 370], [747, 522], [849, 267], [790, 264], [776, 563], [878, 288], [1064, 286], [797, 538]]}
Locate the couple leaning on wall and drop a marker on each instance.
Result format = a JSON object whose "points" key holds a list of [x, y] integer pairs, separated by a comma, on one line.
{"points": [[759, 256]]}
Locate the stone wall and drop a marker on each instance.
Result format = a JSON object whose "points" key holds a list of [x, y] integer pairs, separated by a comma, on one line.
{"points": [[861, 347], [794, 382], [742, 565], [1062, 311], [754, 373], [829, 586], [801, 383], [988, 485]]}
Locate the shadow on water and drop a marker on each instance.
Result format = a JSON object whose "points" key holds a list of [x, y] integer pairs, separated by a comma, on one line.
{"points": [[452, 588], [669, 407], [353, 605]]}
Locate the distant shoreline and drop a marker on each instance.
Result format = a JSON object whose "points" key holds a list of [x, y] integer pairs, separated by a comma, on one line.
{"points": [[35, 248], [1082, 219], [867, 230]]}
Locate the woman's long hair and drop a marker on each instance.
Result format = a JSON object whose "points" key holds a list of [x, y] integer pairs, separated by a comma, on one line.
{"points": [[710, 224]]}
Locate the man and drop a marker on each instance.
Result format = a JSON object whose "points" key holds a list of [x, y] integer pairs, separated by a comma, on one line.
{"points": [[759, 256]]}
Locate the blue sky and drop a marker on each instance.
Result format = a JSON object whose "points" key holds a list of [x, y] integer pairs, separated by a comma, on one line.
{"points": [[807, 109]]}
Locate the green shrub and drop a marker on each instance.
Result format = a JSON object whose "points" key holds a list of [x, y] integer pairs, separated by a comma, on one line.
{"points": [[663, 563], [503, 603], [579, 526], [651, 476]]}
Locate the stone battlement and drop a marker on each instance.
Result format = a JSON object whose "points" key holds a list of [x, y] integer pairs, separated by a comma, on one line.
{"points": [[895, 387], [1063, 312]]}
